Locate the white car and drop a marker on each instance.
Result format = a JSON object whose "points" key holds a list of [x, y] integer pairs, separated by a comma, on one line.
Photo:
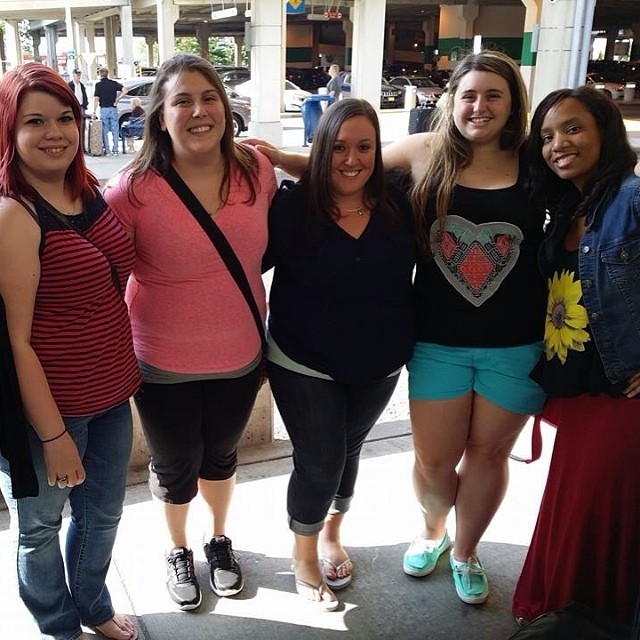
{"points": [[294, 96]]}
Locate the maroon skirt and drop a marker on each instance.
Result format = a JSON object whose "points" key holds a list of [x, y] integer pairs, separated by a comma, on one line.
{"points": [[586, 544]]}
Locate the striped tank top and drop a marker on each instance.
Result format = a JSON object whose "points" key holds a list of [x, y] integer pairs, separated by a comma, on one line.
{"points": [[80, 330]]}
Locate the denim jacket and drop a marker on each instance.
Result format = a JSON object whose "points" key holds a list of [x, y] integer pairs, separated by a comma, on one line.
{"points": [[609, 270]]}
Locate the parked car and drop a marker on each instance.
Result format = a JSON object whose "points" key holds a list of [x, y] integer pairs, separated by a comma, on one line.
{"points": [[293, 95], [141, 87], [232, 76], [390, 96], [427, 90], [615, 90], [307, 79]]}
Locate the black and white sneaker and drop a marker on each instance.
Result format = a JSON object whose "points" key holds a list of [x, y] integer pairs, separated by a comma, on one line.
{"points": [[182, 583], [225, 576]]}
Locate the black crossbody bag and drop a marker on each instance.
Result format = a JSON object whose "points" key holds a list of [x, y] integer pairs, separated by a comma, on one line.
{"points": [[222, 246]]}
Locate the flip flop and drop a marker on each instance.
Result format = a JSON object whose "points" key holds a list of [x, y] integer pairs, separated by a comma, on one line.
{"points": [[118, 619], [314, 594], [337, 583]]}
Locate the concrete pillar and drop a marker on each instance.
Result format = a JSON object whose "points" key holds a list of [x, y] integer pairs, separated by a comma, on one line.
{"points": [[455, 33], [82, 61], [126, 31], [167, 15], [530, 42], [347, 28], [71, 35], [90, 55], [238, 44], [37, 39], [110, 45], [635, 47], [389, 44], [150, 41], [610, 48], [13, 50], [368, 43], [265, 43], [51, 35], [202, 36], [430, 43], [563, 46], [3, 59]]}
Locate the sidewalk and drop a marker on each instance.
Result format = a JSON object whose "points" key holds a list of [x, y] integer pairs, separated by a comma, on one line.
{"points": [[381, 604]]}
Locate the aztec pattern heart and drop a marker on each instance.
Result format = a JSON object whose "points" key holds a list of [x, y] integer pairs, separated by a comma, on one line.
{"points": [[475, 258]]}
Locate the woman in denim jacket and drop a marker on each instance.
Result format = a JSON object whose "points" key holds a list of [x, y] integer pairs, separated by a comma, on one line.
{"points": [[582, 172]]}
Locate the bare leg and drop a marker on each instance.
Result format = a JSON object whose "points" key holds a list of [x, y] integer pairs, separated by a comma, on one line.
{"points": [[175, 517], [331, 547], [484, 472], [217, 494], [306, 569], [440, 430]]}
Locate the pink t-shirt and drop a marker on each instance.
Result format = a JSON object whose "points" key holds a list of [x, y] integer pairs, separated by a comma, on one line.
{"points": [[187, 313]]}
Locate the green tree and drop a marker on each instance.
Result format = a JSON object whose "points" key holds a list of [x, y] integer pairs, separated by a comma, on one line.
{"points": [[26, 40]]}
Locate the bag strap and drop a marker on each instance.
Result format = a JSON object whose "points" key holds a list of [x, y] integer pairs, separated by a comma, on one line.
{"points": [[220, 243], [536, 442]]}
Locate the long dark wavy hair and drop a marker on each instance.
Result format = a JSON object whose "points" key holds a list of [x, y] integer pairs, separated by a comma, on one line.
{"points": [[617, 158], [317, 177], [156, 152]]}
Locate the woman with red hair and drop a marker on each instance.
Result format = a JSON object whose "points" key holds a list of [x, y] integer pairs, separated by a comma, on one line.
{"points": [[64, 261]]}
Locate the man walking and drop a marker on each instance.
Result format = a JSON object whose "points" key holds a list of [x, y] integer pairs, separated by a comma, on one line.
{"points": [[106, 94], [81, 94], [334, 86]]}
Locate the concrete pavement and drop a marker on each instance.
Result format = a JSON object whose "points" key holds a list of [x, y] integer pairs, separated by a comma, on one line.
{"points": [[382, 603]]}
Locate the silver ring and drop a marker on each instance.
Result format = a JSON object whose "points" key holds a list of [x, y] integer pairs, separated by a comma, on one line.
{"points": [[64, 479]]}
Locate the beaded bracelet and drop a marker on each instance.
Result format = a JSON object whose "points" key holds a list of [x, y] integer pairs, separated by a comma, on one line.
{"points": [[55, 437]]}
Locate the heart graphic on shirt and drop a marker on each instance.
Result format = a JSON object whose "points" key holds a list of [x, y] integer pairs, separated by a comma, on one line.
{"points": [[475, 258]]}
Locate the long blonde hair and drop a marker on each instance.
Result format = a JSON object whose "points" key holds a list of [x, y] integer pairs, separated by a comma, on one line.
{"points": [[451, 152]]}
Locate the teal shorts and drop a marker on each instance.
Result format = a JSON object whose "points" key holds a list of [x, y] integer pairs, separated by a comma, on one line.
{"points": [[498, 374]]}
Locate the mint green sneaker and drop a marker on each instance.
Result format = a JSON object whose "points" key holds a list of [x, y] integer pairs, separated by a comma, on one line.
{"points": [[470, 580], [421, 557]]}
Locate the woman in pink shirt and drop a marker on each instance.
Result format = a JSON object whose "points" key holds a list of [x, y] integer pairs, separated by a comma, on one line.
{"points": [[195, 337]]}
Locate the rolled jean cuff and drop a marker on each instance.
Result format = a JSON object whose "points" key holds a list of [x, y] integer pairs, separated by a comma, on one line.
{"points": [[303, 529], [340, 505]]}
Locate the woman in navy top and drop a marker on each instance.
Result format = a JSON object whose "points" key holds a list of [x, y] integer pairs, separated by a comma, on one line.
{"points": [[340, 328]]}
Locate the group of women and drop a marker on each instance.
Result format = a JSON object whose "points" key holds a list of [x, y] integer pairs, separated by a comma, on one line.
{"points": [[345, 317]]}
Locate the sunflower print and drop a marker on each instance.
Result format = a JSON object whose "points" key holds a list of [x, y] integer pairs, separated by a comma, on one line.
{"points": [[566, 317]]}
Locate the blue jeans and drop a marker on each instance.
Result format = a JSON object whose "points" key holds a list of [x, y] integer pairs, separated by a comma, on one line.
{"points": [[104, 443], [109, 117], [327, 422]]}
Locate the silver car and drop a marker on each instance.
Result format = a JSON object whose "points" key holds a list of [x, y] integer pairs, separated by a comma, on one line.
{"points": [[426, 89], [141, 87]]}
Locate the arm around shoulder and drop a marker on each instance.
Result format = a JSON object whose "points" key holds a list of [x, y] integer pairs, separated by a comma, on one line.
{"points": [[410, 153]]}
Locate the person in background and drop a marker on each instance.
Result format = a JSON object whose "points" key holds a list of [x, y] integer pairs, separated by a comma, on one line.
{"points": [[342, 245], [64, 262], [135, 124], [106, 95], [334, 86], [586, 544], [196, 340], [80, 91]]}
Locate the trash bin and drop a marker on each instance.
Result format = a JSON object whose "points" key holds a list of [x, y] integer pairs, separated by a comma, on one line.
{"points": [[311, 112], [629, 91]]}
